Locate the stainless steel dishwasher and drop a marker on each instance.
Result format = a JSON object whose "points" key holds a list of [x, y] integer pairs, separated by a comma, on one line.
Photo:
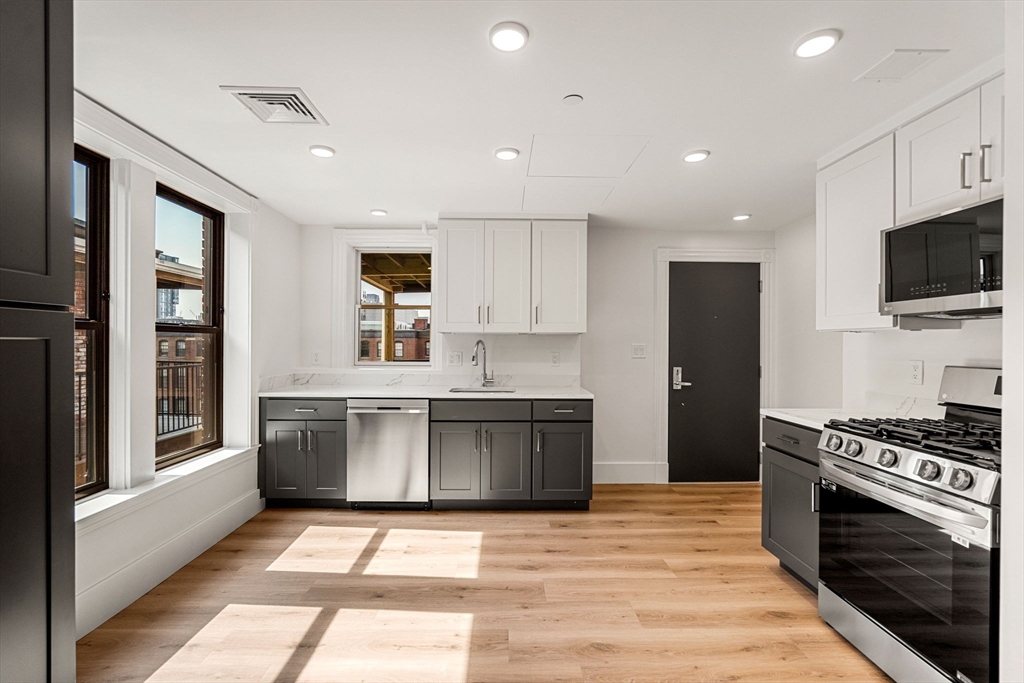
{"points": [[388, 452]]}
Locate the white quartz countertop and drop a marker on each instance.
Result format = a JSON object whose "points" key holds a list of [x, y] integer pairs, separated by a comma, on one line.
{"points": [[816, 418], [435, 392]]}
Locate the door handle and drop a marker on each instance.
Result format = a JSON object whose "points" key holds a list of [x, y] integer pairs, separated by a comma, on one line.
{"points": [[487, 435], [538, 441], [477, 446], [815, 487], [963, 170], [309, 439], [300, 440], [984, 162]]}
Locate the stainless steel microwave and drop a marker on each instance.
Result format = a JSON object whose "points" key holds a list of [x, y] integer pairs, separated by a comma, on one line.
{"points": [[950, 266]]}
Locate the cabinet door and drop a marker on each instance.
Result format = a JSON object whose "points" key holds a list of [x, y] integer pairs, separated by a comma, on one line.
{"points": [[993, 128], [286, 459], [459, 277], [937, 160], [854, 205], [559, 290], [506, 463], [563, 457], [789, 517], [507, 276], [326, 467], [455, 460], [37, 149]]}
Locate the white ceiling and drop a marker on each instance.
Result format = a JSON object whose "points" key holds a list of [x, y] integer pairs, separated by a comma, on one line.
{"points": [[418, 100]]}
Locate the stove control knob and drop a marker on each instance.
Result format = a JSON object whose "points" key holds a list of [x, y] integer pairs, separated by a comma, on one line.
{"points": [[887, 458], [853, 448], [962, 480], [834, 442], [929, 470]]}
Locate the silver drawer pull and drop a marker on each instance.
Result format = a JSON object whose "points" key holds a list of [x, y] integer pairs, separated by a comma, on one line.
{"points": [[564, 410], [788, 439], [305, 410]]}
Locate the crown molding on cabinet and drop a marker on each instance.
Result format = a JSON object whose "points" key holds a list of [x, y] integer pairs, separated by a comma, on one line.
{"points": [[523, 215]]}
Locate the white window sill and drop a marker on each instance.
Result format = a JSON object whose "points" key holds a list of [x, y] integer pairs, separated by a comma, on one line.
{"points": [[112, 504]]}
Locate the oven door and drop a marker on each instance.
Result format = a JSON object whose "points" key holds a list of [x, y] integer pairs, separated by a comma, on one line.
{"points": [[902, 558]]}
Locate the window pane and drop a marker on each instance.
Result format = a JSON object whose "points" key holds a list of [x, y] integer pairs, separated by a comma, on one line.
{"points": [[394, 314], [182, 246], [369, 333], [80, 199], [86, 410], [186, 406]]}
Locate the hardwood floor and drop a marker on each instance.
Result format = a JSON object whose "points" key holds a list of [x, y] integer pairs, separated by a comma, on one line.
{"points": [[654, 583]]}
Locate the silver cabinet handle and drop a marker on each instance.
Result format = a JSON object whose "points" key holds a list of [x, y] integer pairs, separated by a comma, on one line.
{"points": [[477, 315], [564, 410], [305, 410], [536, 314], [963, 170], [788, 439], [488, 314], [538, 441], [309, 439], [300, 440], [486, 436], [476, 447], [984, 162], [814, 496]]}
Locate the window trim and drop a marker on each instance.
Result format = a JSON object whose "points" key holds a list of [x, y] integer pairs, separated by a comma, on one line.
{"points": [[97, 308], [214, 320]]}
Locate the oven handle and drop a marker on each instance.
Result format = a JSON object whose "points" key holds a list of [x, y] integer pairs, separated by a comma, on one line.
{"points": [[941, 515]]}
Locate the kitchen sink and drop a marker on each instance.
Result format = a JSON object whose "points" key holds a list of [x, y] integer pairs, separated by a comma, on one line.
{"points": [[482, 390]]}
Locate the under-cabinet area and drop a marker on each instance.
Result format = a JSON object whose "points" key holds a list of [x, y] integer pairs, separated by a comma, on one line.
{"points": [[481, 452]]}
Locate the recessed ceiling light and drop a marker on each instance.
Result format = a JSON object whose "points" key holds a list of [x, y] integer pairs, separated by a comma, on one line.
{"points": [[378, 212], [696, 155], [572, 100], [506, 153], [321, 151], [508, 36], [741, 217], [817, 43]]}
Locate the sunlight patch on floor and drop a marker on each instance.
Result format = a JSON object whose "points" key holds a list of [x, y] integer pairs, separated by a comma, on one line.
{"points": [[325, 549], [428, 553], [241, 643], [392, 645]]}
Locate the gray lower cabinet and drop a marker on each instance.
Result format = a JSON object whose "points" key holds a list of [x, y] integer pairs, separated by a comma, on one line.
{"points": [[305, 459], [789, 517], [563, 456], [455, 460], [505, 463]]}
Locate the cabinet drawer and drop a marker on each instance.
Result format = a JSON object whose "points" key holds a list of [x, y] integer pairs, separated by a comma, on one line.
{"points": [[480, 410], [306, 409], [789, 438], [563, 411]]}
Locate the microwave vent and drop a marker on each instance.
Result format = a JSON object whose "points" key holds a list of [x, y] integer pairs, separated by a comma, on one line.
{"points": [[277, 105], [900, 65]]}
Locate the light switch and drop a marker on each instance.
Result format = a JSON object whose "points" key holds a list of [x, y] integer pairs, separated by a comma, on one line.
{"points": [[455, 358], [556, 359], [639, 351]]}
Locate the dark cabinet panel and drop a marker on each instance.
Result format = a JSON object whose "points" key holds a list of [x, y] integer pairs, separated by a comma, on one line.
{"points": [[37, 148], [325, 461], [789, 438], [286, 459], [563, 456], [789, 517], [563, 411], [37, 530], [306, 409], [455, 460], [506, 463]]}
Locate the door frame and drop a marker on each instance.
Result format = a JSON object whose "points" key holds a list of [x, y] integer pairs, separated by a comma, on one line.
{"points": [[665, 256]]}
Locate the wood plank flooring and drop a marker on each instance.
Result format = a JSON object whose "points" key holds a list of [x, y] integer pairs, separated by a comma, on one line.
{"points": [[654, 583]]}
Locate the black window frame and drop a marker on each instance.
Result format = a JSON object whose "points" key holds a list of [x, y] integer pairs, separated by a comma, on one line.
{"points": [[97, 309], [213, 325]]}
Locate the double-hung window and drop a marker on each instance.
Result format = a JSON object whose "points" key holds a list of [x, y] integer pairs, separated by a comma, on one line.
{"points": [[189, 313], [394, 307], [90, 191]]}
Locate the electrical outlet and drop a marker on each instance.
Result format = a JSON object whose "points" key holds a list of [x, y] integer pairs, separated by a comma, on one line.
{"points": [[556, 359], [639, 351], [916, 372], [318, 358], [455, 358]]}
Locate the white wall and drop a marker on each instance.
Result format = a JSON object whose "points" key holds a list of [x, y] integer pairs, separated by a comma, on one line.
{"points": [[808, 363], [877, 362], [620, 303], [1012, 608]]}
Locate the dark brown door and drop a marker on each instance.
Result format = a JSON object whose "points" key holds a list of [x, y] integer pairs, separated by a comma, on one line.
{"points": [[714, 338]]}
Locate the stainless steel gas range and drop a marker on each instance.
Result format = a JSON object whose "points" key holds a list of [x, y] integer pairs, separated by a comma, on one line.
{"points": [[909, 534]]}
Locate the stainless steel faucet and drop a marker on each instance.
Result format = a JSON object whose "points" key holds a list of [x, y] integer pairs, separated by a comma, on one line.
{"points": [[480, 348]]}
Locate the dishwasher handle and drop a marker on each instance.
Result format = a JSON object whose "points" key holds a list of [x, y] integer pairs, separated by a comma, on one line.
{"points": [[388, 410]]}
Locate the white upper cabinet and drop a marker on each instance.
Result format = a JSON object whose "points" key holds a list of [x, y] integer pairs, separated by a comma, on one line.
{"points": [[854, 205], [507, 276], [458, 297], [993, 108], [938, 158], [559, 276]]}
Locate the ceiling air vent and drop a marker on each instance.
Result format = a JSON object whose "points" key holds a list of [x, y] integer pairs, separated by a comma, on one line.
{"points": [[277, 105], [900, 65]]}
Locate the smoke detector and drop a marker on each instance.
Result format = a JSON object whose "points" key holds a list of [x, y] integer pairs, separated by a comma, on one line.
{"points": [[277, 105], [900, 65]]}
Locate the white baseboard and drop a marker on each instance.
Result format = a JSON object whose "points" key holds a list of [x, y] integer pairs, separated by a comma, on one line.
{"points": [[630, 473], [127, 584]]}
